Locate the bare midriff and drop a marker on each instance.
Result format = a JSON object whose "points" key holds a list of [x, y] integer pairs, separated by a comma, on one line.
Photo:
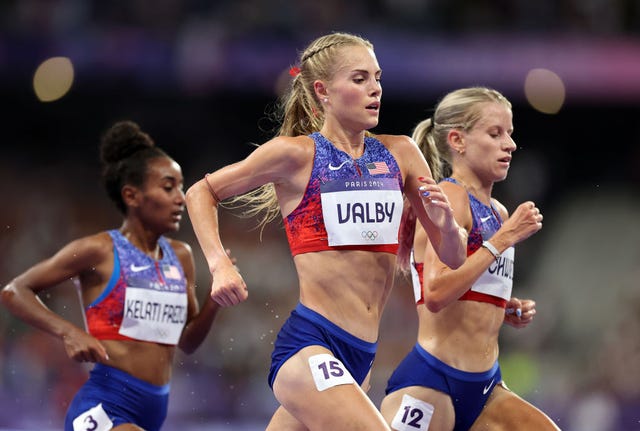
{"points": [[348, 287]]}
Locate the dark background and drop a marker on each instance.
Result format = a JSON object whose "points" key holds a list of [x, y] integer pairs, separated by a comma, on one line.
{"points": [[201, 77]]}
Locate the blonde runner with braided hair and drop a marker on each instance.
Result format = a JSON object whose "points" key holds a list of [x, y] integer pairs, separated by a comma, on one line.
{"points": [[300, 113], [339, 190]]}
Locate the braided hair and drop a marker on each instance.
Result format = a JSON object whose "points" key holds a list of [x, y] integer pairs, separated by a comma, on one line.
{"points": [[299, 111]]}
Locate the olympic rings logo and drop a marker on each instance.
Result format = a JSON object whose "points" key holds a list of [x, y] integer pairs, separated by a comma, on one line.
{"points": [[370, 235]]}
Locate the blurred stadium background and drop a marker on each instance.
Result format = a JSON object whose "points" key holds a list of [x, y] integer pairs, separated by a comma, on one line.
{"points": [[201, 76]]}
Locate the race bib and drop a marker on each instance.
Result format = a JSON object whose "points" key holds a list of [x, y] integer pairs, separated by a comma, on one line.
{"points": [[328, 371], [362, 212], [154, 315], [413, 415], [497, 280], [94, 419]]}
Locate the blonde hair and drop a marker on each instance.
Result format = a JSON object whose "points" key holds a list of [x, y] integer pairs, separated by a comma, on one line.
{"points": [[459, 109], [299, 111]]}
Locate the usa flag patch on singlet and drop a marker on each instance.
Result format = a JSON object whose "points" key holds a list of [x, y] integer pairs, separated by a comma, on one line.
{"points": [[171, 271], [377, 168]]}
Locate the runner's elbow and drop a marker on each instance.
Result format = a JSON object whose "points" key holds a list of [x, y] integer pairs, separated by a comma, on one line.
{"points": [[434, 304]]}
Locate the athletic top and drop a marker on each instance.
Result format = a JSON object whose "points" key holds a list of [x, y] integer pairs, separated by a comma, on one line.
{"points": [[417, 275], [495, 284], [145, 299], [348, 204]]}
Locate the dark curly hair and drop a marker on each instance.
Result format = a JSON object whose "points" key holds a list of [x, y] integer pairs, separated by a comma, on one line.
{"points": [[125, 151]]}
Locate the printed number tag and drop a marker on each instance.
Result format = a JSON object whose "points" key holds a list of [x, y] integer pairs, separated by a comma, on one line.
{"points": [[413, 414], [94, 419], [327, 371]]}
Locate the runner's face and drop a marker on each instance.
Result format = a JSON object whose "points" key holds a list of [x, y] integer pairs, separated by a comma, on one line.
{"points": [[489, 143], [354, 90], [162, 195]]}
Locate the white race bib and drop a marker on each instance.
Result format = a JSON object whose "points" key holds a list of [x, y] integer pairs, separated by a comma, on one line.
{"points": [[497, 280], [362, 212], [94, 419], [328, 371], [412, 415], [154, 315]]}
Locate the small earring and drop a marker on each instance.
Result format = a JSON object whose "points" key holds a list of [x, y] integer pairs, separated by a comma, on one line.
{"points": [[325, 100], [461, 151]]}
